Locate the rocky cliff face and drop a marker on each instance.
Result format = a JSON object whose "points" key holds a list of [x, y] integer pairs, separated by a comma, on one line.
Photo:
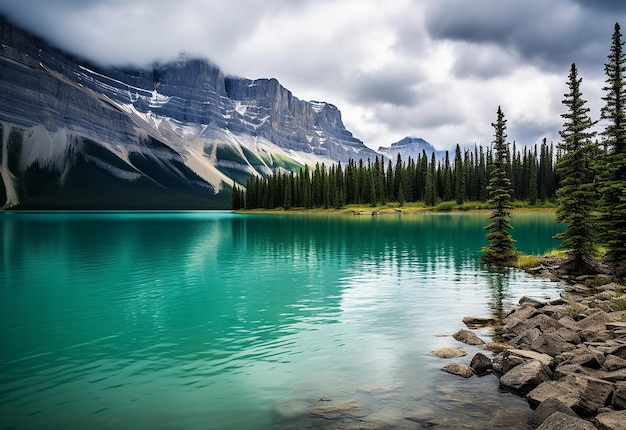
{"points": [[172, 135]]}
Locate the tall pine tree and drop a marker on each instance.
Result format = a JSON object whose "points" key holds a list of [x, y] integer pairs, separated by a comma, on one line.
{"points": [[576, 195], [501, 248], [613, 170]]}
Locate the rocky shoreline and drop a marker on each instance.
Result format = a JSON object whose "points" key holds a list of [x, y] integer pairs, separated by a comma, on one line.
{"points": [[567, 356]]}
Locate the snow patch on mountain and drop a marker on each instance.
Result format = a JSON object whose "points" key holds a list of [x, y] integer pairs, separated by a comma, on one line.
{"points": [[46, 148], [7, 177]]}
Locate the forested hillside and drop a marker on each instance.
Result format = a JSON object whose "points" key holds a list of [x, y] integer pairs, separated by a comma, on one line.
{"points": [[461, 176]]}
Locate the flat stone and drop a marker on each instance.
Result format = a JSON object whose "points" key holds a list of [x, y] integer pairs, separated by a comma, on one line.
{"points": [[561, 421], [468, 337], [458, 369], [448, 353], [568, 335], [595, 322], [346, 408], [551, 344], [478, 322], [593, 335], [496, 347], [532, 355], [523, 313], [523, 378], [612, 420], [531, 302], [616, 325], [615, 376], [562, 390], [613, 363], [568, 322]]}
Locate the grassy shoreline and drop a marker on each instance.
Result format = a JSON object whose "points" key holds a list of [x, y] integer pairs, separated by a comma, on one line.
{"points": [[406, 209]]}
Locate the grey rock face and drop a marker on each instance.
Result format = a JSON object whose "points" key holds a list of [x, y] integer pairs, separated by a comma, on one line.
{"points": [[182, 122]]}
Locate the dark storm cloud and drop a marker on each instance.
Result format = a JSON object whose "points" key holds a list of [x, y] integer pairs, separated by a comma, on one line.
{"points": [[550, 34], [606, 6]]}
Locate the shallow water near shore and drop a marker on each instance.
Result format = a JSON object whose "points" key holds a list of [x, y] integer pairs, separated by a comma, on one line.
{"points": [[216, 320]]}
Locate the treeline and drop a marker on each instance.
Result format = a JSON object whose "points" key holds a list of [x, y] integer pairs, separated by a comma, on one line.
{"points": [[462, 176]]}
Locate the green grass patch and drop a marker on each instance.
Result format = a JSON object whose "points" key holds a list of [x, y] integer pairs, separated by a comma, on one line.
{"points": [[525, 261], [557, 253], [446, 206], [618, 303], [573, 308], [525, 204]]}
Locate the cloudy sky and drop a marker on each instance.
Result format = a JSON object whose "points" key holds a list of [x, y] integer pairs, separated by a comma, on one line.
{"points": [[436, 69]]}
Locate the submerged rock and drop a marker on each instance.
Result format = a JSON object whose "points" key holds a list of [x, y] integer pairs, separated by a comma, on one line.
{"points": [[458, 369], [346, 408], [478, 322], [448, 353]]}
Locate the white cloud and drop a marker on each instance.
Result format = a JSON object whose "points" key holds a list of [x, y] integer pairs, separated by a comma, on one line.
{"points": [[436, 69]]}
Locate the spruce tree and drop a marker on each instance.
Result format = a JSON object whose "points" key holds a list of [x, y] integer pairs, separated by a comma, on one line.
{"points": [[532, 180], [613, 170], [430, 190], [501, 248], [459, 177], [576, 195]]}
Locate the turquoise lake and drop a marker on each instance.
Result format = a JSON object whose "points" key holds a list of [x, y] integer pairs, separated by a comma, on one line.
{"points": [[215, 320]]}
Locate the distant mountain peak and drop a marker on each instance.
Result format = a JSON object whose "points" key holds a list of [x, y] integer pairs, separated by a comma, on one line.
{"points": [[409, 147]]}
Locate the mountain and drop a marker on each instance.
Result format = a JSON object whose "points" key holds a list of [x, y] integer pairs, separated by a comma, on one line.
{"points": [[171, 136], [410, 147]]}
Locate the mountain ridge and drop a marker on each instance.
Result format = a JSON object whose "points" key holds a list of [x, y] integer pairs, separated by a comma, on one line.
{"points": [[175, 135], [412, 147]]}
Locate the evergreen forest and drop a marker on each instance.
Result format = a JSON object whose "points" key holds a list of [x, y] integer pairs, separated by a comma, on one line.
{"points": [[585, 177], [459, 177]]}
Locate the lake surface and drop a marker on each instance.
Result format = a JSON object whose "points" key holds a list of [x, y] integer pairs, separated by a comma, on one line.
{"points": [[214, 320]]}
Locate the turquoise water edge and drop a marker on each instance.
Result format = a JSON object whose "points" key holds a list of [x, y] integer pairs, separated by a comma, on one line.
{"points": [[216, 320]]}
